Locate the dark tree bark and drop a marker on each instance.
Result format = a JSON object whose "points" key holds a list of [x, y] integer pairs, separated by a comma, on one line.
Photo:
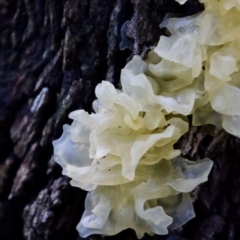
{"points": [[52, 55]]}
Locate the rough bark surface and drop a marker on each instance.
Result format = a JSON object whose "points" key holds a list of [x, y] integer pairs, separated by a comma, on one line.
{"points": [[52, 55]]}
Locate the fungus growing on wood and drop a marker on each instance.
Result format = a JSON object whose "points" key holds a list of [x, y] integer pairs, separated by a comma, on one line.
{"points": [[124, 154]]}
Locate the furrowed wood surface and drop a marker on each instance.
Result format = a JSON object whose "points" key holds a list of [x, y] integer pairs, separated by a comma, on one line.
{"points": [[52, 55]]}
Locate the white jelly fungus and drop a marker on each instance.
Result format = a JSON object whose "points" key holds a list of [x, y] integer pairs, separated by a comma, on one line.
{"points": [[124, 154]]}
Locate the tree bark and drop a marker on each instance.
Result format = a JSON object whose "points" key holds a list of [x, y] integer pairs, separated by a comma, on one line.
{"points": [[52, 55]]}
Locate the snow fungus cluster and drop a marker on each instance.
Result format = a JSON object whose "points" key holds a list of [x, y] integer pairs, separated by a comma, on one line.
{"points": [[124, 154]]}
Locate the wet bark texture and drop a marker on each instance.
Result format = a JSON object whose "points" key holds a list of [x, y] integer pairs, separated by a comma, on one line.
{"points": [[52, 55]]}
